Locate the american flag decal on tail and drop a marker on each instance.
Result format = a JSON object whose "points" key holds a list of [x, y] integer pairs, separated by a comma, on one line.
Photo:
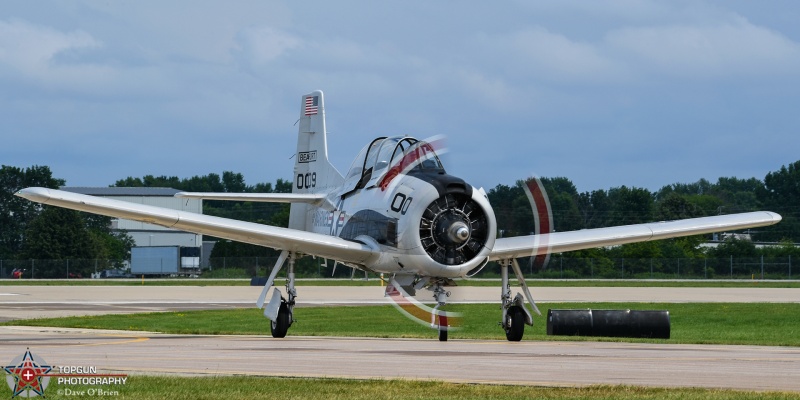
{"points": [[311, 105]]}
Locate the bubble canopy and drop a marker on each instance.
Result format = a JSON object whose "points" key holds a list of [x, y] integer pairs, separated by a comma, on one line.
{"points": [[400, 152]]}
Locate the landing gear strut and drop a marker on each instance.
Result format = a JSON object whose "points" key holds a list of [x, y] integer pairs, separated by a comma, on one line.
{"points": [[439, 321], [280, 310], [401, 289], [515, 316], [281, 324]]}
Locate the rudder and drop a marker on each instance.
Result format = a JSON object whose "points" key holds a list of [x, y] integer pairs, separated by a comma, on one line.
{"points": [[313, 173]]}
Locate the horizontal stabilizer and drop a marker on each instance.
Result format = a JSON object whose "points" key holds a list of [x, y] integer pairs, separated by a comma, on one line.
{"points": [[309, 198]]}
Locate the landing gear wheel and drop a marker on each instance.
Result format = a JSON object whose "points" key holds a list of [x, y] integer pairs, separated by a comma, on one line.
{"points": [[442, 335], [515, 324], [280, 326]]}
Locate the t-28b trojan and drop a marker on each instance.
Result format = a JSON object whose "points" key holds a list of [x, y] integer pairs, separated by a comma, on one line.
{"points": [[396, 211]]}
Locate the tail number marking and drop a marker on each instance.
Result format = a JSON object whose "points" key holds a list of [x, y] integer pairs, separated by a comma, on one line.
{"points": [[307, 180]]}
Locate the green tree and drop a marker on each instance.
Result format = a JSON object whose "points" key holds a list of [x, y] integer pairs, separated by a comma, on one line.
{"points": [[564, 201], [738, 195], [234, 182], [595, 209], [675, 206], [727, 195], [514, 211], [16, 213], [781, 194], [630, 205], [738, 248], [508, 205], [58, 234]]}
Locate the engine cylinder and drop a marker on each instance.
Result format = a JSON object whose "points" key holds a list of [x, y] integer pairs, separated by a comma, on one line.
{"points": [[453, 229]]}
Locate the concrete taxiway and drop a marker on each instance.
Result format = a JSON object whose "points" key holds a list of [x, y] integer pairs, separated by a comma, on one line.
{"points": [[499, 362], [532, 363]]}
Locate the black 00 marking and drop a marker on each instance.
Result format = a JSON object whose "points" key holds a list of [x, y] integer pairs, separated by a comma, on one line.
{"points": [[397, 202], [307, 180], [400, 203], [406, 204]]}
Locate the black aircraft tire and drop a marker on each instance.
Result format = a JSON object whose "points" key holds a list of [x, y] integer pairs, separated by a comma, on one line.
{"points": [[280, 326], [442, 335], [515, 324]]}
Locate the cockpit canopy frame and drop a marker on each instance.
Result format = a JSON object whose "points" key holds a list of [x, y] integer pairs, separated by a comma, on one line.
{"points": [[398, 153]]}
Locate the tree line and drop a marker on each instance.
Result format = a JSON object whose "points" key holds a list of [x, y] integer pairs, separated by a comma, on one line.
{"points": [[32, 231], [572, 210]]}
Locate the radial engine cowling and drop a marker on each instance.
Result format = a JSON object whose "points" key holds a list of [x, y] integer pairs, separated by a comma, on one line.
{"points": [[455, 230]]}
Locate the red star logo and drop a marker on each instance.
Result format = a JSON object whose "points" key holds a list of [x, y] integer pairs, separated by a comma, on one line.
{"points": [[28, 375]]}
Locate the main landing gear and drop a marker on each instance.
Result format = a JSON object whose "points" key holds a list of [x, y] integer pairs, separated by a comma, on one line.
{"points": [[280, 326], [515, 315], [280, 310]]}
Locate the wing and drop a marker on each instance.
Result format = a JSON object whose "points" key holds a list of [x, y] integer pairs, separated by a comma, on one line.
{"points": [[264, 235], [557, 242], [262, 197]]}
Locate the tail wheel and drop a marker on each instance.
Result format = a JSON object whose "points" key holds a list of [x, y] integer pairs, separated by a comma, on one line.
{"points": [[453, 229], [515, 324], [281, 324]]}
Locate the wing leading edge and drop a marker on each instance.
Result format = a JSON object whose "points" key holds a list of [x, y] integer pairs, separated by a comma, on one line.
{"points": [[557, 242], [264, 235]]}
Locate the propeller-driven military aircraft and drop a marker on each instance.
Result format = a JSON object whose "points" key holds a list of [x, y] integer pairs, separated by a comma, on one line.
{"points": [[397, 212]]}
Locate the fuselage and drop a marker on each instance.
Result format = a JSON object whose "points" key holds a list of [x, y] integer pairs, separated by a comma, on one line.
{"points": [[398, 198]]}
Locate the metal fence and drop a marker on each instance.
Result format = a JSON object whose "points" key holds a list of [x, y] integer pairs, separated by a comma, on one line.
{"points": [[558, 268], [666, 268], [57, 269]]}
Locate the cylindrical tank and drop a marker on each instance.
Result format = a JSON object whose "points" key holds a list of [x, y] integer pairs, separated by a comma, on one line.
{"points": [[569, 322], [613, 323]]}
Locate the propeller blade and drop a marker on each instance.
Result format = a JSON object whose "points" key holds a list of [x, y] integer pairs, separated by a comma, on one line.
{"points": [[543, 219]]}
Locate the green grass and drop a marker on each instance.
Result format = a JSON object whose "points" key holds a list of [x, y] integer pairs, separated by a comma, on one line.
{"points": [[773, 324], [376, 282], [246, 387]]}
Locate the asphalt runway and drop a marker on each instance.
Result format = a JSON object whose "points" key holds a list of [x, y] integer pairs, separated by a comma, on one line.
{"points": [[530, 363]]}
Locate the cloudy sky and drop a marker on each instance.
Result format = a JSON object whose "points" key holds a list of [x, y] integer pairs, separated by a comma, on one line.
{"points": [[636, 93]]}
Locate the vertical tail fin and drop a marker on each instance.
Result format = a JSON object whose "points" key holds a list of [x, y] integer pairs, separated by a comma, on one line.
{"points": [[313, 173]]}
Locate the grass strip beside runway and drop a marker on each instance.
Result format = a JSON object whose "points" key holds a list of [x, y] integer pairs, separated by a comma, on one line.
{"points": [[771, 324], [238, 387]]}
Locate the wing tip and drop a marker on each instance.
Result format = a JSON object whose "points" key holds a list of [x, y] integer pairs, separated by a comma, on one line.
{"points": [[774, 216], [37, 194]]}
